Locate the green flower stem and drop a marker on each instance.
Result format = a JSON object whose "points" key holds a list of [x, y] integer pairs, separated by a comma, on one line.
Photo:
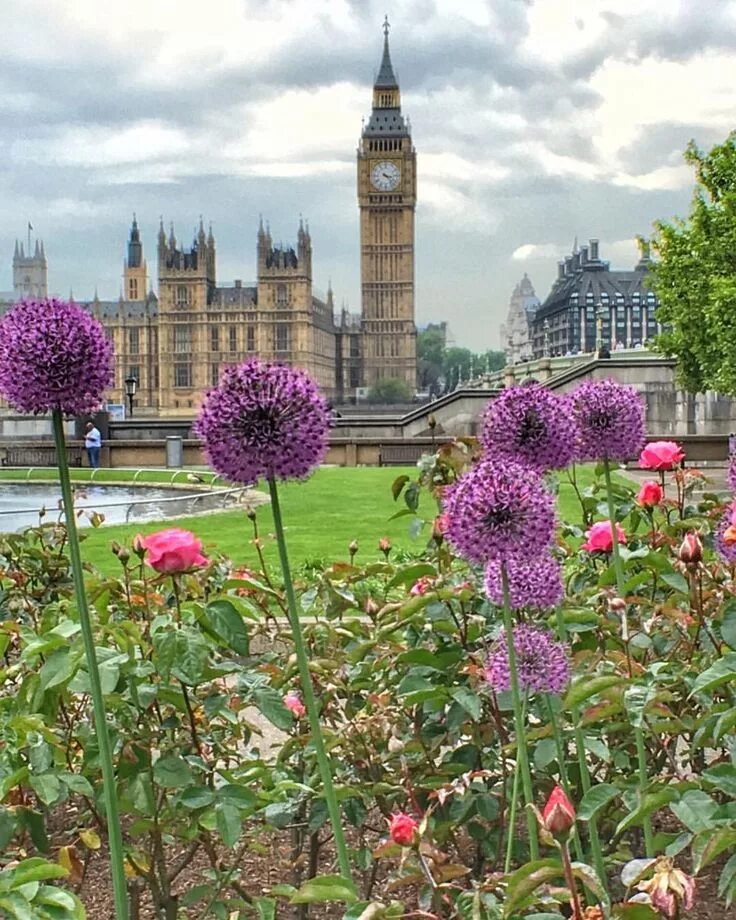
{"points": [[307, 689], [115, 837], [564, 777], [595, 841], [638, 734], [512, 808], [522, 752]]}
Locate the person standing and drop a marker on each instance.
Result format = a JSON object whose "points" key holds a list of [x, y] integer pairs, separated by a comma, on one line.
{"points": [[92, 444]]}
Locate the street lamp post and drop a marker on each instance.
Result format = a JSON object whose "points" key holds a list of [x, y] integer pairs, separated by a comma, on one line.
{"points": [[545, 327], [131, 385]]}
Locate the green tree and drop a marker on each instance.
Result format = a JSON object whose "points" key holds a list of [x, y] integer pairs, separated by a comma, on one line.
{"points": [[430, 356], [695, 277], [390, 391]]}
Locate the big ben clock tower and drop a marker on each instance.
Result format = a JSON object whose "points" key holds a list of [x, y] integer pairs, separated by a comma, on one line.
{"points": [[387, 193]]}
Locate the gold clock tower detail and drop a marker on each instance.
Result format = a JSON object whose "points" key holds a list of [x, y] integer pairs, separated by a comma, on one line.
{"points": [[387, 194]]}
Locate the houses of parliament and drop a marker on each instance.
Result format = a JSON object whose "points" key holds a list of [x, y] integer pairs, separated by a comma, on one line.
{"points": [[175, 342]]}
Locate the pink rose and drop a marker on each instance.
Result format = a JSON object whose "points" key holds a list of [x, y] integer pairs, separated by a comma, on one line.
{"points": [[650, 494], [691, 549], [661, 455], [171, 551], [293, 702], [403, 829], [600, 538], [421, 586]]}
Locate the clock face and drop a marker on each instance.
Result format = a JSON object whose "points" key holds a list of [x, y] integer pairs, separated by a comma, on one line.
{"points": [[385, 176]]}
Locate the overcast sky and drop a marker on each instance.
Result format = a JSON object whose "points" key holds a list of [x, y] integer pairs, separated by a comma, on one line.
{"points": [[533, 121]]}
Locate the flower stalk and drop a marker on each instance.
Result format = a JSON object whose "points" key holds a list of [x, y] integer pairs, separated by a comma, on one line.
{"points": [[307, 689], [638, 734], [114, 832], [522, 752]]}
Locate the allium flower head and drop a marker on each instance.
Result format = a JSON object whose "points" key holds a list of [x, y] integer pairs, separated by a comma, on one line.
{"points": [[542, 664], [54, 355], [499, 510], [533, 582], [731, 475], [610, 420], [725, 546], [264, 420], [531, 425]]}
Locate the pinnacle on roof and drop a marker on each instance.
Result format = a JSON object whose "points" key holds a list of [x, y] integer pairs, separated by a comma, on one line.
{"points": [[386, 77]]}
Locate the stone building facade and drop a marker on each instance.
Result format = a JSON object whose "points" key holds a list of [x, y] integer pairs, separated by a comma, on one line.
{"points": [[592, 305], [175, 342], [387, 195], [516, 337]]}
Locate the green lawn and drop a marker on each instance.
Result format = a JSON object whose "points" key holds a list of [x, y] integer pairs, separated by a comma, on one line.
{"points": [[321, 516]]}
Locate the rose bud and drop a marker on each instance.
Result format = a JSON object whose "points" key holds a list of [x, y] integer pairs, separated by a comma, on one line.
{"points": [[729, 535], [650, 494], [352, 549], [691, 549], [403, 829], [293, 702], [384, 544], [558, 816]]}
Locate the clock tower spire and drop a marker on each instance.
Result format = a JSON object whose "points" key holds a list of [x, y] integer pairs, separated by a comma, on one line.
{"points": [[387, 200]]}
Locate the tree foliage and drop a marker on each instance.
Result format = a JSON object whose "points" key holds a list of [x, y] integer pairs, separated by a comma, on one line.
{"points": [[389, 391], [695, 278], [440, 367]]}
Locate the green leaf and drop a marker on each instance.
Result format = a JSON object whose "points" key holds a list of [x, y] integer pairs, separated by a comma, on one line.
{"points": [[324, 888], [595, 799], [527, 879], [708, 845], [397, 486], [676, 581], [59, 667], [36, 870], [728, 625], [172, 772], [720, 672], [589, 877], [182, 653], [727, 881], [544, 753], [8, 825], [229, 823], [266, 908], [635, 912], [227, 622], [649, 804], [695, 810], [585, 687], [723, 777], [271, 704], [47, 787], [409, 574], [197, 797], [469, 701]]}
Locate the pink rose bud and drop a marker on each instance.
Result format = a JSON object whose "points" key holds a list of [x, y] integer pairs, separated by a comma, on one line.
{"points": [[403, 829], [661, 455], [558, 816], [650, 494], [691, 549], [172, 551], [384, 544], [293, 702], [599, 538], [421, 586]]}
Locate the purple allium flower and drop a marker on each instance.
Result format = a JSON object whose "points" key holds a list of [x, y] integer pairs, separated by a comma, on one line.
{"points": [[264, 420], [727, 551], [533, 582], [499, 510], [531, 425], [610, 420], [731, 475], [542, 664], [54, 355]]}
